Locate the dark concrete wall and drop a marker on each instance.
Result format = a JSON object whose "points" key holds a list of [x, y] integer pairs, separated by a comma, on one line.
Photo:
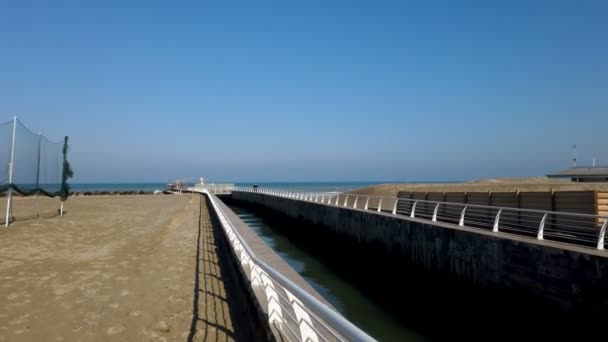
{"points": [[575, 278]]}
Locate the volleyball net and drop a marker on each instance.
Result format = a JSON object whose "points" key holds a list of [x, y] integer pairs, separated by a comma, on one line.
{"points": [[31, 164]]}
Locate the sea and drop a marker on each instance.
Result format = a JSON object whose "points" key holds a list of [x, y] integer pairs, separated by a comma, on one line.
{"points": [[295, 186]]}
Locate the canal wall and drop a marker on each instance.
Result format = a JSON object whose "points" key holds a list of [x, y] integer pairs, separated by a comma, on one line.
{"points": [[407, 262], [258, 298]]}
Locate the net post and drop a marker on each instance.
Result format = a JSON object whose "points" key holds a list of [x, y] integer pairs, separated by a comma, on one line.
{"points": [[38, 173], [61, 209], [9, 201]]}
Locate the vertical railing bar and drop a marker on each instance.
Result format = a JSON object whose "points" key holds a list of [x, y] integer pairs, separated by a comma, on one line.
{"points": [[541, 228], [600, 242], [464, 210], [496, 221], [435, 212]]}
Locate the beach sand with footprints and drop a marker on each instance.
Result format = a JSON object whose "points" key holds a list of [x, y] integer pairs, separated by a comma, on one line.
{"points": [[118, 268]]}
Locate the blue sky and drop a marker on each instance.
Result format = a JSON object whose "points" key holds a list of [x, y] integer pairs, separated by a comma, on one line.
{"points": [[310, 90]]}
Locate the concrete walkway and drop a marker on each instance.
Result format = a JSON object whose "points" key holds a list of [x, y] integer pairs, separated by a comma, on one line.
{"points": [[126, 268]]}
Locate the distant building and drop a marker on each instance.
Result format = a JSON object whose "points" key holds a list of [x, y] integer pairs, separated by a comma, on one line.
{"points": [[584, 174]]}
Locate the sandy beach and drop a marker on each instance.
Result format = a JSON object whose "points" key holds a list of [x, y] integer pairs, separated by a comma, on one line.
{"points": [[114, 268], [484, 185]]}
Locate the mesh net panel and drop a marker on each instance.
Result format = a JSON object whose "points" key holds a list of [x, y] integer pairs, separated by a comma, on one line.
{"points": [[51, 158], [38, 164], [25, 165]]}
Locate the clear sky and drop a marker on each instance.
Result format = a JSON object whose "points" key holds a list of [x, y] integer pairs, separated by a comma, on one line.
{"points": [[310, 90]]}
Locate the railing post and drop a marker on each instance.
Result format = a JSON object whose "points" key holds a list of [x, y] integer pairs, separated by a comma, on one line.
{"points": [[9, 201], [496, 220], [541, 228], [337, 198], [356, 200], [317, 198], [413, 213], [464, 210], [366, 203], [380, 205], [395, 206], [435, 212], [600, 241], [38, 174], [345, 200]]}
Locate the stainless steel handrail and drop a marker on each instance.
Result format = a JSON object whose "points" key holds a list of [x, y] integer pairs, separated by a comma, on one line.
{"points": [[341, 325], [564, 227]]}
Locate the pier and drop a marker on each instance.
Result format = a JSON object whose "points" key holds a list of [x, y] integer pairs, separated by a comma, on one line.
{"points": [[552, 263]]}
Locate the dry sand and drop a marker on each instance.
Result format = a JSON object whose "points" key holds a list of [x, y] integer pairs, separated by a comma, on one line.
{"points": [[484, 185], [114, 268]]}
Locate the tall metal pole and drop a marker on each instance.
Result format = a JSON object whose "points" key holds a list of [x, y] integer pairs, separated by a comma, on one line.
{"points": [[9, 202], [38, 172]]}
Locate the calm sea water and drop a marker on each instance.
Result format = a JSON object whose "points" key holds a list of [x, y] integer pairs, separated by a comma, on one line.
{"points": [[296, 186]]}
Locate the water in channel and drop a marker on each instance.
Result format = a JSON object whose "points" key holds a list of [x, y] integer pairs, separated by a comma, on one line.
{"points": [[351, 302]]}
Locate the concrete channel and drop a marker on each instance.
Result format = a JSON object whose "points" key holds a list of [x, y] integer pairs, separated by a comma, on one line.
{"points": [[442, 280]]}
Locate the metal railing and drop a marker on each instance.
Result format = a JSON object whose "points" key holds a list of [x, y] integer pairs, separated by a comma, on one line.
{"points": [[569, 228], [214, 188], [292, 310]]}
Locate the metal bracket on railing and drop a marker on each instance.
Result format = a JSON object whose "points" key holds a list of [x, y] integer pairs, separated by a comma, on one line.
{"points": [[435, 212], [356, 200], [464, 210], [600, 241], [413, 213], [380, 205], [496, 220], [366, 203], [395, 206], [345, 200], [541, 228]]}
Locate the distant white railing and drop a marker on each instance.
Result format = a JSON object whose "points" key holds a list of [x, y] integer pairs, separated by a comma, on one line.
{"points": [[296, 313], [215, 188], [569, 228]]}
